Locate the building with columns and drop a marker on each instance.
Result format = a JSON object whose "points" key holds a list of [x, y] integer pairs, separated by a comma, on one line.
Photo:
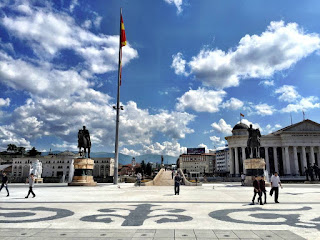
{"points": [[286, 151]]}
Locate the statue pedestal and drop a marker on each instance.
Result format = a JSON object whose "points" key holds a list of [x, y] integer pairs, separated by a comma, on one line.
{"points": [[83, 172], [38, 180], [254, 167]]}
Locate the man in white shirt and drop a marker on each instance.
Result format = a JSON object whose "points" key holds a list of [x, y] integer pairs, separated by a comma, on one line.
{"points": [[275, 182], [242, 179]]}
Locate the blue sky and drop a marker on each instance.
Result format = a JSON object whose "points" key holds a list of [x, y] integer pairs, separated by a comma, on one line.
{"points": [[190, 68]]}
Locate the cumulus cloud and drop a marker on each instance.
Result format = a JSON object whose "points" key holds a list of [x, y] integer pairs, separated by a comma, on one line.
{"points": [[53, 32], [267, 83], [264, 109], [4, 102], [287, 93], [130, 152], [201, 100], [233, 104], [217, 141], [177, 3], [222, 127], [269, 128], [179, 64], [9, 137], [304, 104], [166, 148], [256, 56]]}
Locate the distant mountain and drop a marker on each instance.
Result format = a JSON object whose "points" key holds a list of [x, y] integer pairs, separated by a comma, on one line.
{"points": [[126, 159]]}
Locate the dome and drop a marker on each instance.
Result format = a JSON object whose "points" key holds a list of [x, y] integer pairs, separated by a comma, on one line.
{"points": [[240, 126]]}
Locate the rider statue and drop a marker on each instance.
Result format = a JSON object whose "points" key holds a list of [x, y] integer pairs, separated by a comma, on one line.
{"points": [[253, 143], [84, 142]]}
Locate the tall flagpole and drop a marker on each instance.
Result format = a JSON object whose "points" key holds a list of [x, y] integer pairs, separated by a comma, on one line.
{"points": [[116, 157]]}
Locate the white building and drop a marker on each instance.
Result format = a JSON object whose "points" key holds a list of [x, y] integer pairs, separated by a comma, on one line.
{"points": [[286, 151], [222, 160], [197, 164], [58, 165]]}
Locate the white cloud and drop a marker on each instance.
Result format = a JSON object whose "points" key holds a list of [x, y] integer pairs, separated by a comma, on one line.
{"points": [[4, 102], [179, 64], [269, 128], [287, 93], [177, 3], [9, 137], [65, 146], [303, 104], [264, 109], [267, 83], [233, 104], [201, 100], [130, 152], [73, 4], [217, 141], [166, 148], [256, 56], [52, 32], [222, 127]]}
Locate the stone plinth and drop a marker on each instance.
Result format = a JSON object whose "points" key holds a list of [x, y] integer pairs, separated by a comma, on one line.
{"points": [[253, 167], [38, 180], [83, 172]]}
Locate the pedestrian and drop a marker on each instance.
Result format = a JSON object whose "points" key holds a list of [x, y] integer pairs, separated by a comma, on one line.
{"points": [[256, 190], [242, 179], [31, 185], [316, 170], [172, 174], [275, 182], [177, 181], [4, 183], [306, 172], [310, 172], [263, 189], [196, 181], [139, 179]]}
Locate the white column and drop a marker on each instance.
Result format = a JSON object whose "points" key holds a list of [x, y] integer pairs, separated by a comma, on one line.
{"points": [[266, 154], [286, 153], [295, 160], [236, 160], [243, 158], [275, 157], [318, 156], [312, 155], [231, 161], [304, 158], [283, 160]]}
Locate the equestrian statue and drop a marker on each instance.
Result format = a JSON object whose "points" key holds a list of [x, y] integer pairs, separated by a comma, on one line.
{"points": [[84, 142], [253, 144]]}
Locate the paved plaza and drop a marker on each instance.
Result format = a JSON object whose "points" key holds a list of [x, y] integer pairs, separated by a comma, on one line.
{"points": [[211, 211]]}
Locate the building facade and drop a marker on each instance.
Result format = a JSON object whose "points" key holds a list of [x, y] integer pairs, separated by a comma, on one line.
{"points": [[197, 164], [222, 160], [286, 151], [103, 167]]}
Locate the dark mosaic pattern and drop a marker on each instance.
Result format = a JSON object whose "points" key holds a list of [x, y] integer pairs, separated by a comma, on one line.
{"points": [[138, 215], [22, 215], [276, 217]]}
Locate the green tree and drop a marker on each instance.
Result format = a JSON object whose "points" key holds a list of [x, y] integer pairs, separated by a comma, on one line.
{"points": [[12, 148], [33, 152], [143, 167]]}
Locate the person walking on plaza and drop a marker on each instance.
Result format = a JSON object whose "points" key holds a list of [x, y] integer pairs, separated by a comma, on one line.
{"points": [[263, 189], [275, 182], [256, 190], [242, 179], [177, 180], [139, 179], [306, 172], [4, 183], [31, 185], [316, 171], [172, 174]]}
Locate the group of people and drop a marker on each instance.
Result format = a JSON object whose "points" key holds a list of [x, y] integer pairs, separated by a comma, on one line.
{"points": [[29, 180], [312, 172], [259, 188]]}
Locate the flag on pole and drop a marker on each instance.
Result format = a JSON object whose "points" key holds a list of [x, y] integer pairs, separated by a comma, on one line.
{"points": [[123, 42], [241, 115]]}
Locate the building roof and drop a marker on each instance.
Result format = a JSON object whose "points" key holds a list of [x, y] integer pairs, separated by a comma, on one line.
{"points": [[293, 127], [240, 126]]}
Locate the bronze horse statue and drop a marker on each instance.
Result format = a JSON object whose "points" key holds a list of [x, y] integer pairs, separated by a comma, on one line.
{"points": [[84, 142], [253, 142]]}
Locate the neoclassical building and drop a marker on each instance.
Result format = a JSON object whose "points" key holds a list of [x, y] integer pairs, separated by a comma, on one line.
{"points": [[286, 151]]}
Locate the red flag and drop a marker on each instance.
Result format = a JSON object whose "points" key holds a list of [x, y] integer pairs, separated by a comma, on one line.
{"points": [[241, 115], [123, 42]]}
